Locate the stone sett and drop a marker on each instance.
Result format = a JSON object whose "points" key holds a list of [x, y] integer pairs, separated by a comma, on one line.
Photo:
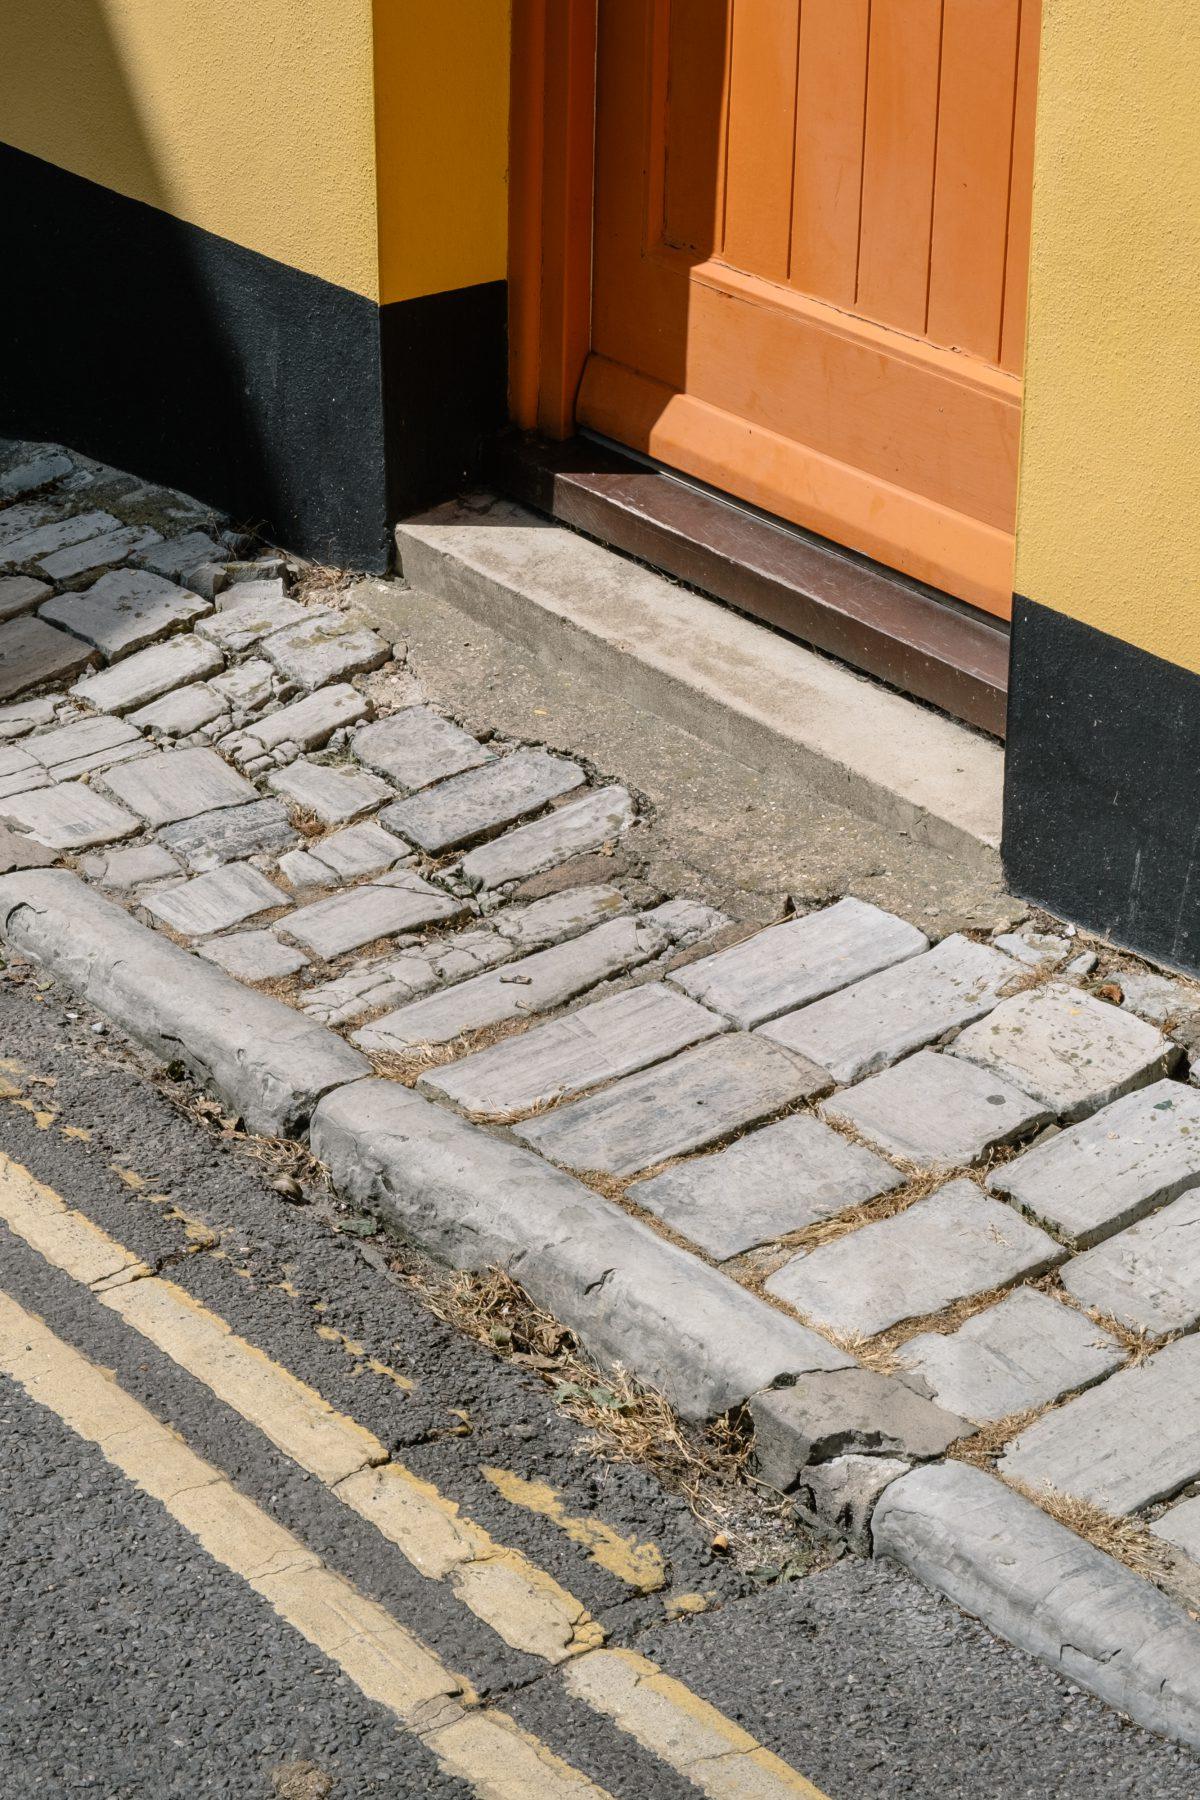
{"points": [[148, 674], [347, 921], [598, 819], [482, 800], [310, 722], [34, 654], [258, 828], [97, 552], [235, 627], [131, 868], [416, 746], [356, 850], [213, 902], [1147, 1278], [254, 955], [170, 785], [325, 647], [938, 1112], [335, 793], [57, 534], [179, 555], [181, 713], [69, 817], [20, 594]]}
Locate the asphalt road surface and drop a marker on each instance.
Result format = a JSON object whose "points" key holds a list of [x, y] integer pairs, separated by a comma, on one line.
{"points": [[233, 1439]]}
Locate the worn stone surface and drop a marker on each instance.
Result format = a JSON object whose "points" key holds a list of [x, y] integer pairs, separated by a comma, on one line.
{"points": [[259, 828], [355, 850], [479, 1202], [312, 721], [56, 534], [1033, 948], [148, 673], [1017, 1355], [96, 552], [254, 955], [180, 713], [482, 800], [689, 921], [1157, 998], [1111, 1168], [178, 556], [81, 739], [347, 921], [300, 869], [597, 819], [844, 1412], [131, 868], [416, 746], [33, 654], [1031, 1580], [951, 1244], [866, 1027], [35, 472], [325, 647], [235, 627], [769, 1183], [170, 785], [18, 521], [939, 1112], [19, 772], [612, 1037], [246, 686], [124, 611], [1148, 1277], [332, 792], [1132, 1440], [215, 901], [21, 716], [838, 1498], [1072, 1052], [20, 594], [790, 965], [1180, 1525], [533, 984], [246, 588], [266, 1061], [69, 816], [676, 1107], [20, 852]]}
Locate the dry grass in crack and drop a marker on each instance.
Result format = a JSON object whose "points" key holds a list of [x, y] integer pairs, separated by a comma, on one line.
{"points": [[408, 1066], [1127, 1540], [990, 1441]]}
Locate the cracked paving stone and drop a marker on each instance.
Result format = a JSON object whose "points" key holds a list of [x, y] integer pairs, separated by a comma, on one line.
{"points": [[170, 785], [335, 793], [236, 626], [482, 800], [213, 902], [591, 823], [70, 816], [939, 1112], [19, 772], [259, 828], [19, 718], [180, 713], [34, 654], [124, 611], [309, 722], [417, 746], [347, 921], [326, 647], [20, 594], [177, 556], [149, 673], [254, 955], [131, 868], [1147, 1278]]}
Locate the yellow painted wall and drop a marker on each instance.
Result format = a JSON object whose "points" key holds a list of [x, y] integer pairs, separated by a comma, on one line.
{"points": [[1108, 526]]}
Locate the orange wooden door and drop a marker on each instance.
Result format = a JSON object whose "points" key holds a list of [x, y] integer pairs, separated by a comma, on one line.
{"points": [[809, 263]]}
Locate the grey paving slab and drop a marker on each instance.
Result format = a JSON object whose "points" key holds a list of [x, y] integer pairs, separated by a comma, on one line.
{"points": [[259, 828], [34, 654], [1022, 1353], [19, 521], [35, 472], [215, 901], [1157, 999], [171, 785], [235, 627], [945, 1247], [356, 850], [347, 921], [519, 989], [1148, 1277], [564, 1057], [20, 594], [333, 792], [69, 816], [180, 713], [300, 869], [674, 1108], [325, 647], [178, 556], [865, 1027], [1131, 1441], [416, 746], [246, 686], [790, 965], [1074, 1053], [55, 535], [147, 674], [939, 1112], [124, 611], [312, 721], [1112, 1168], [131, 868], [482, 800], [254, 955], [19, 773], [83, 737], [769, 1183], [597, 819], [21, 716], [1180, 1525], [245, 589], [97, 552]]}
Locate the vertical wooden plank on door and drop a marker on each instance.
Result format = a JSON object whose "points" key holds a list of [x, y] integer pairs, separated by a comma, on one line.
{"points": [[831, 94], [898, 161], [761, 136], [694, 36], [1020, 201], [971, 182]]}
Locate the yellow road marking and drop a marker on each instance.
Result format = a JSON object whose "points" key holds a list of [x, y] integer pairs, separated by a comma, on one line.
{"points": [[383, 1659], [640, 1565]]}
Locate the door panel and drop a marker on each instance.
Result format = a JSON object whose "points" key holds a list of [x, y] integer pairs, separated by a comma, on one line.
{"points": [[811, 228]]}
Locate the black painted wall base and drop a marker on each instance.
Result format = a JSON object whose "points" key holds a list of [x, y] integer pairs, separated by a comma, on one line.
{"points": [[290, 402], [1102, 785]]}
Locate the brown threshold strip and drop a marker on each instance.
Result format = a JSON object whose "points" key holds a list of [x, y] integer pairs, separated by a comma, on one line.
{"points": [[865, 615]]}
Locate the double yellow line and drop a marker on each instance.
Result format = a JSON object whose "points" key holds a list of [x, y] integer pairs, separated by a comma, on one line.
{"points": [[525, 1606]]}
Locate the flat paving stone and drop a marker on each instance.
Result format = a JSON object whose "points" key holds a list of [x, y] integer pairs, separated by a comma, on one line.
{"points": [[214, 901], [865, 1027], [1024, 1352], [21, 716], [34, 654], [416, 746], [97, 552], [41, 540], [170, 785], [124, 611], [254, 955], [1180, 1525], [235, 627], [610, 1038], [131, 868], [952, 1244], [149, 673], [259, 828], [1131, 1441], [82, 737], [482, 800], [1112, 1168], [312, 721], [70, 816], [572, 830], [532, 984], [674, 1108], [771, 1182], [176, 557], [246, 686], [333, 792], [180, 713], [1148, 1277], [1062, 1047], [939, 1112], [357, 850], [300, 869], [20, 594], [325, 647], [790, 965], [347, 921]]}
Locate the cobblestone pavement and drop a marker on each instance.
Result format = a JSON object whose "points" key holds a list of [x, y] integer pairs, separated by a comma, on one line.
{"points": [[966, 1166]]}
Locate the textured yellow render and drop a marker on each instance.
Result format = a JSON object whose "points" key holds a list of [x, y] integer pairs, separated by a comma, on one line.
{"points": [[1108, 526]]}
